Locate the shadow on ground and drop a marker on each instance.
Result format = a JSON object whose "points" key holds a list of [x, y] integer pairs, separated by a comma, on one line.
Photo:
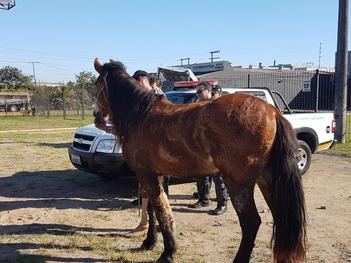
{"points": [[55, 145], [65, 189], [15, 252], [60, 190], [16, 257], [60, 230]]}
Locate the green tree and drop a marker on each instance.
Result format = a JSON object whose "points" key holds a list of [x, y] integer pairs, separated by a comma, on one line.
{"points": [[12, 78], [85, 84], [86, 80]]}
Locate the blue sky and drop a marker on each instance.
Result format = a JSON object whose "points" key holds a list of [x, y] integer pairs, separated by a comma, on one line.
{"points": [[65, 36]]}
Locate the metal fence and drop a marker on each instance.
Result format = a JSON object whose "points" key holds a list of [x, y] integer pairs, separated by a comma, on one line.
{"points": [[310, 91], [305, 91], [65, 101]]}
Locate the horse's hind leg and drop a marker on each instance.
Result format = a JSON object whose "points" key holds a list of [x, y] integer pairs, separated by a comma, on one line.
{"points": [[242, 197], [151, 238], [159, 202]]}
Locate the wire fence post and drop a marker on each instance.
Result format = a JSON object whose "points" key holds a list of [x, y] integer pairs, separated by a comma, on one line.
{"points": [[248, 80], [47, 101], [63, 101], [83, 102], [6, 105]]}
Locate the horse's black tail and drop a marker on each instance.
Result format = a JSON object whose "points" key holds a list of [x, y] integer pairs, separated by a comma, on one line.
{"points": [[289, 229]]}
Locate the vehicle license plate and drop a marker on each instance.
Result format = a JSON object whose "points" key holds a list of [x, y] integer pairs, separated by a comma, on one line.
{"points": [[75, 159]]}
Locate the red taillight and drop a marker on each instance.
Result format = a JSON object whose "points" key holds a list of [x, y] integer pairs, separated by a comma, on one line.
{"points": [[333, 130]]}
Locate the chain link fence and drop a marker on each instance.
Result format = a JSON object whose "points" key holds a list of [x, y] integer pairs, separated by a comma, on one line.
{"points": [[67, 101], [304, 91]]}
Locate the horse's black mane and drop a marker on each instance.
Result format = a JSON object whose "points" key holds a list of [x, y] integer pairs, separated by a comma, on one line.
{"points": [[128, 101]]}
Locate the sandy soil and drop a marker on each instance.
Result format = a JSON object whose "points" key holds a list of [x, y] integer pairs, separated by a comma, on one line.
{"points": [[50, 212]]}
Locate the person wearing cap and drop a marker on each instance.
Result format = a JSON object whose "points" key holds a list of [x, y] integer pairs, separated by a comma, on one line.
{"points": [[205, 92], [216, 92], [143, 79], [154, 82]]}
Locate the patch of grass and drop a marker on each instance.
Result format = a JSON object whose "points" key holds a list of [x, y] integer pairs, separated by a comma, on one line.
{"points": [[41, 122], [342, 149], [46, 138], [48, 246]]}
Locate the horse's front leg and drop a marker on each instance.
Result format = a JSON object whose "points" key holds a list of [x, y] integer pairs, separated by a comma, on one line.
{"points": [[159, 202], [151, 238]]}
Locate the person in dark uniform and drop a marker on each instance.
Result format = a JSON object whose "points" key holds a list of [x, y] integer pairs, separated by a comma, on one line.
{"points": [[204, 91]]}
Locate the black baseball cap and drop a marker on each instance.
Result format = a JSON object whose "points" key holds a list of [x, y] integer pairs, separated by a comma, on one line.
{"points": [[140, 73], [216, 88]]}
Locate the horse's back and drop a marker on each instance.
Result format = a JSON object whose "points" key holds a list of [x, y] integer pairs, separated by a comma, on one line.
{"points": [[192, 139], [241, 125]]}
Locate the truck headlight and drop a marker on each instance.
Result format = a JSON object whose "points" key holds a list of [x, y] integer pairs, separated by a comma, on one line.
{"points": [[106, 146]]}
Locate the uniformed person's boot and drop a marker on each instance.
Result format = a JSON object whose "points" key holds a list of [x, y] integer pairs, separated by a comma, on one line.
{"points": [[222, 196], [203, 188]]}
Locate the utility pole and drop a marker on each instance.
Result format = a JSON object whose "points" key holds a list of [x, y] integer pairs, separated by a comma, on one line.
{"points": [[214, 52], [341, 71], [183, 59], [35, 79], [35, 84]]}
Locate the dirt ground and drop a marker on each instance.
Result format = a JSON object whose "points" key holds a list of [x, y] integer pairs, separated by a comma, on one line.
{"points": [[50, 212]]}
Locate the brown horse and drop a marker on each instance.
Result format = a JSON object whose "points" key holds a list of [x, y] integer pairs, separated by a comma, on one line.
{"points": [[242, 136]]}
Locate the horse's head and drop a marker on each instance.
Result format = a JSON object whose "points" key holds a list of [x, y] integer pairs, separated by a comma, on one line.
{"points": [[106, 71], [101, 91], [120, 97]]}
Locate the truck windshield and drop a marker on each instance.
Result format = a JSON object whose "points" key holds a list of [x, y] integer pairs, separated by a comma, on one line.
{"points": [[181, 98]]}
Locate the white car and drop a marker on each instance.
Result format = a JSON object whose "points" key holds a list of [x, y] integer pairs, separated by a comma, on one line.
{"points": [[96, 151]]}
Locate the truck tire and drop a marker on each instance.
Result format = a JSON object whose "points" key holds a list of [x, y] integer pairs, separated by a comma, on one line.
{"points": [[13, 108], [304, 158]]}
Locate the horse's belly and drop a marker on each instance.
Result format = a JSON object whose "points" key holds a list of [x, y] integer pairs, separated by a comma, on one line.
{"points": [[185, 166], [180, 159]]}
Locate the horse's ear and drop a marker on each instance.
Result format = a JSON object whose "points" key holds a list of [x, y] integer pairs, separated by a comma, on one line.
{"points": [[112, 61], [98, 66]]}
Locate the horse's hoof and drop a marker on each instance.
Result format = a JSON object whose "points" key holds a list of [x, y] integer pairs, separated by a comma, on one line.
{"points": [[165, 260], [148, 245]]}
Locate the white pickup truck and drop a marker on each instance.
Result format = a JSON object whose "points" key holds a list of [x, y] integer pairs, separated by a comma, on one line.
{"points": [[98, 152]]}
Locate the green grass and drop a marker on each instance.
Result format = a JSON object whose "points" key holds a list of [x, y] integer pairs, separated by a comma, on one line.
{"points": [[40, 122], [38, 137], [48, 247], [342, 149]]}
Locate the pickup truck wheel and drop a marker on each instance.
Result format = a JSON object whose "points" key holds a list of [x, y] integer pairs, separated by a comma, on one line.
{"points": [[304, 158], [13, 108]]}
